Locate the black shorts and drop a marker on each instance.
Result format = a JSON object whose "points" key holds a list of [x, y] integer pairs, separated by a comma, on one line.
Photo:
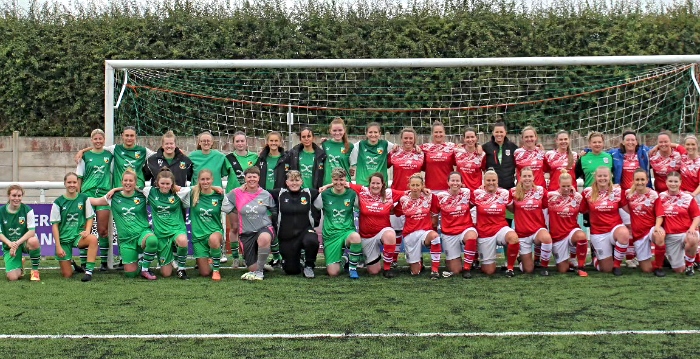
{"points": [[249, 242]]}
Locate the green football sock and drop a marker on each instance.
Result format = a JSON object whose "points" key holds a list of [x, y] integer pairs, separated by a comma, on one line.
{"points": [[181, 257], [35, 257], [89, 267], [275, 249], [215, 258], [234, 249], [83, 256], [149, 252], [103, 243], [355, 254]]}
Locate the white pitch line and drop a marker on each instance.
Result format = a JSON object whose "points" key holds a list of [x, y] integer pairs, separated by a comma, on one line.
{"points": [[349, 335]]}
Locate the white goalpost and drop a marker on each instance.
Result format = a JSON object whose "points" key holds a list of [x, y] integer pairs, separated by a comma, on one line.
{"points": [[581, 94]]}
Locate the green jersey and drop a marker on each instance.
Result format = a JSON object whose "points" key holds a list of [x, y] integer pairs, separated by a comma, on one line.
{"points": [[270, 175], [214, 161], [238, 166], [205, 215], [338, 215], [13, 225], [166, 211], [125, 158], [130, 215], [370, 159], [306, 165], [590, 162], [336, 156], [95, 170], [71, 215]]}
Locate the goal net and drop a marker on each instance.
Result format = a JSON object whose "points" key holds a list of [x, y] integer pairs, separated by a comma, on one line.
{"points": [[580, 99]]}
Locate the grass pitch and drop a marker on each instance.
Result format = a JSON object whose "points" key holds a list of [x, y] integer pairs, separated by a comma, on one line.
{"points": [[281, 304]]}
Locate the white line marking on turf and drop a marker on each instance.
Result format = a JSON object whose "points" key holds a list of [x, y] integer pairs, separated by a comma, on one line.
{"points": [[348, 335]]}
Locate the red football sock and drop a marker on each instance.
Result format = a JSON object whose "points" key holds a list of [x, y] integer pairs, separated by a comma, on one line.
{"points": [[659, 256], [581, 253], [435, 251], [513, 251], [388, 255], [469, 253]]}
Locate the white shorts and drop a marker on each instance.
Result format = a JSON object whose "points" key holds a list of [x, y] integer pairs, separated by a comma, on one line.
{"points": [[413, 244], [560, 250], [675, 250], [453, 245], [604, 244], [625, 217], [642, 247], [487, 246], [397, 223], [526, 242], [371, 246]]}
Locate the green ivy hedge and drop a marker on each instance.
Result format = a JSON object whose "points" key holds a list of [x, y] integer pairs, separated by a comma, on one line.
{"points": [[52, 59]]}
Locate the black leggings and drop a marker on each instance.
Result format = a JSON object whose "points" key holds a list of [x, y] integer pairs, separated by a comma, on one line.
{"points": [[290, 249]]}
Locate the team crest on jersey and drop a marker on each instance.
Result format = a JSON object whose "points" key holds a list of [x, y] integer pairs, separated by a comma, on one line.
{"points": [[286, 167], [106, 159], [303, 200], [22, 220], [137, 201], [342, 150], [182, 165], [507, 152], [171, 199], [347, 203], [380, 151], [80, 206], [320, 166], [137, 155], [260, 202], [605, 160], [250, 163], [214, 202]]}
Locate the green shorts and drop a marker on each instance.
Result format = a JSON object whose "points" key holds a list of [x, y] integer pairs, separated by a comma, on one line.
{"points": [[200, 246], [13, 263], [130, 249], [97, 193], [333, 246], [165, 249], [68, 248]]}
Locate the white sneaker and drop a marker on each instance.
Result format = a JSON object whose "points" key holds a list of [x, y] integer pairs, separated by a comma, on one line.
{"points": [[632, 263], [257, 275], [224, 259], [309, 272], [447, 274]]}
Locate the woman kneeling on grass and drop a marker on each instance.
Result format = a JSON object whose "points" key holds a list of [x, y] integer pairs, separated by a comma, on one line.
{"points": [[528, 204], [609, 236], [421, 212], [457, 227], [206, 203], [166, 201], [17, 225], [71, 222], [295, 224], [252, 204], [569, 241], [128, 208], [642, 204], [339, 225], [679, 213], [375, 204], [491, 224]]}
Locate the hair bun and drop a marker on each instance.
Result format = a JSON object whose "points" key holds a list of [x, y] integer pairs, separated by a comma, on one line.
{"points": [[165, 169]]}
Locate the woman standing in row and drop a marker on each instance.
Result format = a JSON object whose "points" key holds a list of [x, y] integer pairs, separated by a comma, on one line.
{"points": [[273, 172], [370, 155], [94, 173]]}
